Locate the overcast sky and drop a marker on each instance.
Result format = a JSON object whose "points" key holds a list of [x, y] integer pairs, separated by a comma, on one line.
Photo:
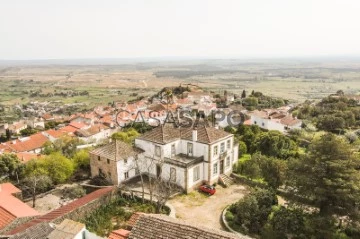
{"points": [[61, 29]]}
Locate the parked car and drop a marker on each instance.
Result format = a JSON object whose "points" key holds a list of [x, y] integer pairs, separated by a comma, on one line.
{"points": [[207, 189]]}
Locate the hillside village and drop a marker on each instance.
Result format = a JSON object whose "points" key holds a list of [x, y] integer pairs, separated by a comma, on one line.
{"points": [[144, 152]]}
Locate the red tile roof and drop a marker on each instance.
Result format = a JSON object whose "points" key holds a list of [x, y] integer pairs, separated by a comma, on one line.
{"points": [[5, 217], [78, 125], [16, 207], [119, 234], [33, 142], [55, 133], [68, 129], [63, 210], [8, 189], [11, 207], [25, 157]]}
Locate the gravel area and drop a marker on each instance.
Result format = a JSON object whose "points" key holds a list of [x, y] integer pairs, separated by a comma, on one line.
{"points": [[206, 210]]}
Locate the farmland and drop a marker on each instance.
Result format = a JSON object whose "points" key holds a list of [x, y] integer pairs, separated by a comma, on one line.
{"points": [[296, 80]]}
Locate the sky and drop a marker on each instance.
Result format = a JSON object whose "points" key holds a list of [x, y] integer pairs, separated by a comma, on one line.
{"points": [[81, 29]]}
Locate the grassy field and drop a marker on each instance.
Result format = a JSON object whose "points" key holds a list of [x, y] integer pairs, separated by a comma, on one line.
{"points": [[294, 80]]}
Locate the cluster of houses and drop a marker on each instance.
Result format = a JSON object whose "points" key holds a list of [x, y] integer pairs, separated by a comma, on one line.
{"points": [[185, 156]]}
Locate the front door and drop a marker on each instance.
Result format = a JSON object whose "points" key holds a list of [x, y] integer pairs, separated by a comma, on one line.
{"points": [[221, 166]]}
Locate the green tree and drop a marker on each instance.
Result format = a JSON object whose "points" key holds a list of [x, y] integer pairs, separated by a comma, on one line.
{"points": [[82, 159], [127, 136], [275, 144], [329, 176], [56, 166], [10, 165], [251, 168], [66, 145], [242, 148], [273, 171], [250, 214], [287, 223]]}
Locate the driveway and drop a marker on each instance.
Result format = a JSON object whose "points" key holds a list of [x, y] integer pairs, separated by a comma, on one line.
{"points": [[200, 209]]}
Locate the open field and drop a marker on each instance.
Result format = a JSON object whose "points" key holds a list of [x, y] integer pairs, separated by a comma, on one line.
{"points": [[294, 80]]}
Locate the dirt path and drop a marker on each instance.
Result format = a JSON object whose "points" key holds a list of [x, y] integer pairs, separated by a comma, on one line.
{"points": [[205, 210]]}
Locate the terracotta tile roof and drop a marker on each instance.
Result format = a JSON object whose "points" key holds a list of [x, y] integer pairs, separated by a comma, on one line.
{"points": [[116, 150], [167, 133], [78, 125], [32, 142], [11, 207], [55, 133], [290, 121], [38, 231], [25, 157], [97, 128], [5, 217], [63, 210], [68, 129], [119, 234], [67, 229], [153, 226], [16, 207], [8, 189]]}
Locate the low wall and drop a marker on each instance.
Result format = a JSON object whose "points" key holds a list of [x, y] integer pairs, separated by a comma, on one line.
{"points": [[228, 228], [81, 212]]}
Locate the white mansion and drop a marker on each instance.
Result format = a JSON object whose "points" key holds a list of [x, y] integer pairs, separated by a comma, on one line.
{"points": [[186, 156]]}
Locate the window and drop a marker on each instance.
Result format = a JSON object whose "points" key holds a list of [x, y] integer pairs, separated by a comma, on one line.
{"points": [[109, 174], [215, 168], [125, 160], [108, 161], [228, 144], [196, 173], [173, 153], [157, 151], [228, 161], [190, 148], [222, 147], [255, 122], [126, 175], [99, 158], [100, 172], [172, 174], [215, 150], [263, 124]]}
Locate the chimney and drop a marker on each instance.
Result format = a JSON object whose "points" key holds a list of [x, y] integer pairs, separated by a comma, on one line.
{"points": [[194, 134]]}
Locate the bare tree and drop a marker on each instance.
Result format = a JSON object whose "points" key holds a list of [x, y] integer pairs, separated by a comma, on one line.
{"points": [[37, 183], [164, 188]]}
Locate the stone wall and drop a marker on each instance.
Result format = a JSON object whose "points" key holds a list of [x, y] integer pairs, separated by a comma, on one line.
{"points": [[81, 212]]}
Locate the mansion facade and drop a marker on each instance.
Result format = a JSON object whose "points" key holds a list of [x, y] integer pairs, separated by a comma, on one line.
{"points": [[188, 157]]}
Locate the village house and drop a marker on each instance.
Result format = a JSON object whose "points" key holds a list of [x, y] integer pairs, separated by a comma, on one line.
{"points": [[95, 134], [274, 120], [36, 123], [188, 157], [16, 127], [32, 144], [11, 207]]}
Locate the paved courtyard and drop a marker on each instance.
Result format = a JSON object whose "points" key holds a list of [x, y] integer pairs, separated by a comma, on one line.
{"points": [[200, 209]]}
